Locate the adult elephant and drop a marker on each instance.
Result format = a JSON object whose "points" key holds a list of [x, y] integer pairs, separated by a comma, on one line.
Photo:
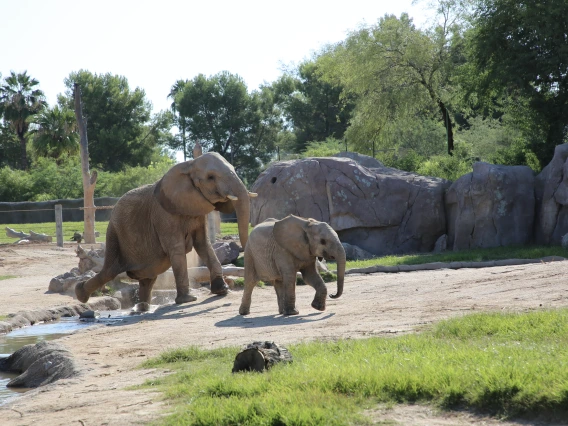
{"points": [[278, 249], [153, 227]]}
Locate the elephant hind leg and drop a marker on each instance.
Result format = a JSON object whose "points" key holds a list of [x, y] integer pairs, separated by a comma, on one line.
{"points": [[83, 290], [144, 294], [111, 268]]}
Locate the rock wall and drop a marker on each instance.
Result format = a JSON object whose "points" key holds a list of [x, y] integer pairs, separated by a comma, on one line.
{"points": [[551, 193], [388, 211]]}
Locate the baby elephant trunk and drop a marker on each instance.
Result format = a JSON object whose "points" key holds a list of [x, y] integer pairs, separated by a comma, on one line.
{"points": [[340, 258]]}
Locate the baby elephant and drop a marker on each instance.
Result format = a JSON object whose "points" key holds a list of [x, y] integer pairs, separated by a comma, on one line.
{"points": [[277, 249]]}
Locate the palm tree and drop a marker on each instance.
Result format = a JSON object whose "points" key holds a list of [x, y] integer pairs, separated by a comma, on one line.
{"points": [[19, 102], [179, 120], [56, 133]]}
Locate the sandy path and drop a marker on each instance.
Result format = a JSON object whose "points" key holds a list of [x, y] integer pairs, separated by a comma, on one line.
{"points": [[372, 305]]}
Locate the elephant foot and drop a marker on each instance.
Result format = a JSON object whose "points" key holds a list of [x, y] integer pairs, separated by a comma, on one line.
{"points": [[320, 306], [219, 286], [81, 293], [185, 298], [244, 311], [291, 312], [141, 307]]}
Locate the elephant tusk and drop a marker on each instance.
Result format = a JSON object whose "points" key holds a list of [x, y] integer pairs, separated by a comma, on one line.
{"points": [[253, 194], [232, 197]]}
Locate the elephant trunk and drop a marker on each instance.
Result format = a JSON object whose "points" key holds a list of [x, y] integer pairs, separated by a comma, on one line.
{"points": [[340, 259], [242, 208]]}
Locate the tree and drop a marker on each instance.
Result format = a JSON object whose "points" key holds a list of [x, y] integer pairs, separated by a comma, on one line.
{"points": [[521, 48], [314, 108], [118, 120], [180, 140], [56, 135], [20, 100], [397, 71], [225, 118]]}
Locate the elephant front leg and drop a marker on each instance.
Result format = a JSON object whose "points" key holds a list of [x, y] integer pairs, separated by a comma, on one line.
{"points": [[312, 278], [205, 251], [279, 288], [179, 266], [289, 294], [250, 284], [144, 295]]}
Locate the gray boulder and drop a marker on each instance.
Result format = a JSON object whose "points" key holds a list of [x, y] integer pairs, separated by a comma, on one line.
{"points": [[441, 244], [227, 252], [382, 210], [353, 252], [364, 160], [492, 206], [551, 193], [39, 364], [65, 283]]}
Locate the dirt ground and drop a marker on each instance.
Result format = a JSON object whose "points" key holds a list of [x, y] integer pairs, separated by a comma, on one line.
{"points": [[372, 305]]}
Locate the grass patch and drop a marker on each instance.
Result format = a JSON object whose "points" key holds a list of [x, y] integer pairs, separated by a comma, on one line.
{"points": [[69, 228], [7, 277], [507, 365], [474, 255]]}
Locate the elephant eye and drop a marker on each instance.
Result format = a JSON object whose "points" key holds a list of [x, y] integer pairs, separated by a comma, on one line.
{"points": [[211, 177], [323, 242]]}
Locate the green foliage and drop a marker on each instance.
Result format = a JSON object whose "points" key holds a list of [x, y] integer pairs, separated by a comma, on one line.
{"points": [[327, 148], [20, 100], [449, 167], [395, 72], [120, 129], [521, 48], [505, 364], [56, 134], [117, 184], [10, 151], [15, 185], [314, 108], [51, 179], [225, 118]]}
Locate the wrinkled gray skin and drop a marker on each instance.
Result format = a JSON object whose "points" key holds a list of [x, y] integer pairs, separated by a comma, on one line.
{"points": [[153, 227], [278, 249]]}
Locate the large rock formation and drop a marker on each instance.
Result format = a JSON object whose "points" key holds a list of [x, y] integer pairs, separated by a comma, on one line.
{"points": [[381, 210], [490, 207], [551, 192]]}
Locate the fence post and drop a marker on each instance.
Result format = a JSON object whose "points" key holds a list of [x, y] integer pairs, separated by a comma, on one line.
{"points": [[59, 224]]}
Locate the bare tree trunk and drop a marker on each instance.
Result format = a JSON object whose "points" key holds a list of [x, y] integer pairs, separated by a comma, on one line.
{"points": [[448, 125], [89, 179]]}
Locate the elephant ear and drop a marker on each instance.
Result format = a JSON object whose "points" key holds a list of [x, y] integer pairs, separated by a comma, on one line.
{"points": [[290, 233], [225, 207], [178, 195]]}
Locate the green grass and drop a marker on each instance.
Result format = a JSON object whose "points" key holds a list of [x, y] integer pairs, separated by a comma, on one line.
{"points": [[69, 228], [474, 255], [506, 365], [7, 277]]}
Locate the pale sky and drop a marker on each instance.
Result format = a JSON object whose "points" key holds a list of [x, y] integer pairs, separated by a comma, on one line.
{"points": [[155, 43]]}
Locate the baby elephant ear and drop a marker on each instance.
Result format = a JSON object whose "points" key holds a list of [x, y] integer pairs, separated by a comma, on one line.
{"points": [[290, 234]]}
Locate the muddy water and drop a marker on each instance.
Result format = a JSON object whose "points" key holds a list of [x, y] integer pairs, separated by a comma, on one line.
{"points": [[14, 340]]}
